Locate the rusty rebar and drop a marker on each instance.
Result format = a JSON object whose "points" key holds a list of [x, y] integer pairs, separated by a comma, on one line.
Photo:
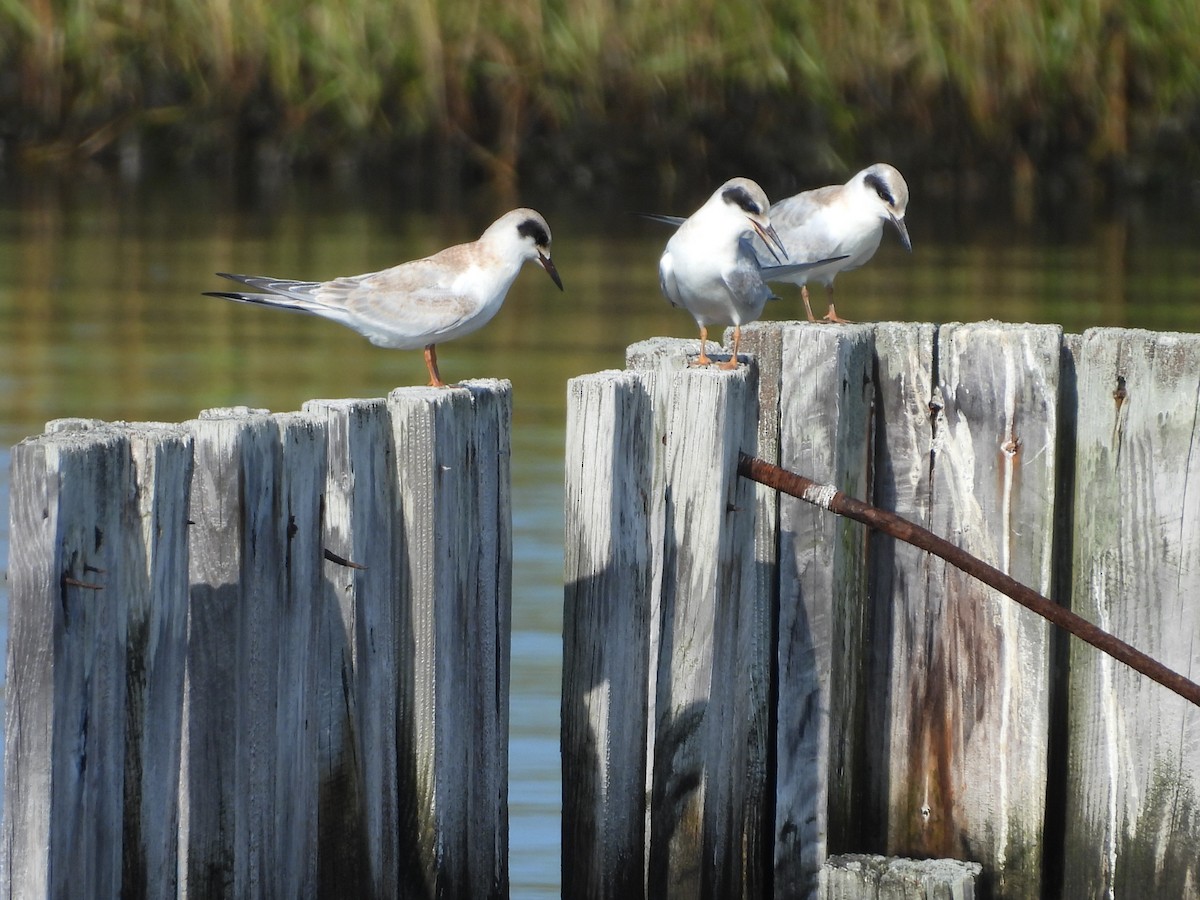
{"points": [[828, 497]]}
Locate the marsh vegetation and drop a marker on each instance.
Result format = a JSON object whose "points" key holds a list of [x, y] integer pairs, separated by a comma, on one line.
{"points": [[586, 92]]}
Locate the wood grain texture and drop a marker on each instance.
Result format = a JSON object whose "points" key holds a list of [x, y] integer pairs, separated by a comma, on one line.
{"points": [[235, 551], [455, 594], [221, 679], [1133, 815], [825, 432], [610, 446], [904, 375], [970, 675], [763, 346], [708, 760], [156, 658], [298, 772], [66, 686], [657, 360], [357, 629], [855, 876]]}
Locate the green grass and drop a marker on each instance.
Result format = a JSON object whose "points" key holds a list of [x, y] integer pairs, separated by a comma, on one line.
{"points": [[946, 82]]}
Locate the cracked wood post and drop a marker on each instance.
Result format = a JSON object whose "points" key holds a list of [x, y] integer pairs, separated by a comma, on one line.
{"points": [[708, 760], [95, 663], [455, 596], [610, 453], [249, 779], [358, 629], [234, 755], [703, 696], [824, 426], [968, 424], [1133, 813]]}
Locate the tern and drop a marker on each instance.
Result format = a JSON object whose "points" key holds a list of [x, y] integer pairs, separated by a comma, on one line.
{"points": [[710, 269], [841, 220], [420, 303]]}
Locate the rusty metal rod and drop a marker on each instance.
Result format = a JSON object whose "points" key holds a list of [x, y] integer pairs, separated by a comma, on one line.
{"points": [[830, 498]]}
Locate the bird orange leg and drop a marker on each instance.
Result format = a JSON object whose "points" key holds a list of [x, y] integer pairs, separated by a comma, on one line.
{"points": [[732, 362], [435, 380], [832, 315], [702, 359], [807, 308]]}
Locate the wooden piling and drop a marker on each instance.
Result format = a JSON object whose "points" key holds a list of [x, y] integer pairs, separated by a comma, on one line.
{"points": [[1133, 813], [357, 634], [452, 470], [968, 672], [263, 654], [908, 706], [66, 664], [825, 425], [156, 658], [706, 699], [606, 634], [708, 791]]}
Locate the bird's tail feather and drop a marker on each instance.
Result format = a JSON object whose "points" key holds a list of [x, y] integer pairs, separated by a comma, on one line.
{"points": [[274, 300]]}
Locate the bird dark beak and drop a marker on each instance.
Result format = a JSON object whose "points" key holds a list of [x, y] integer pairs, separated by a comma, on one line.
{"points": [[770, 237], [903, 230], [548, 265]]}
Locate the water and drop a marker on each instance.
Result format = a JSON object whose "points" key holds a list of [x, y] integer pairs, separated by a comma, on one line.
{"points": [[101, 316]]}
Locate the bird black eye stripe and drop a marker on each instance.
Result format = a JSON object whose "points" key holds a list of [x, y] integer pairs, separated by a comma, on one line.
{"points": [[740, 197], [533, 230], [881, 189]]}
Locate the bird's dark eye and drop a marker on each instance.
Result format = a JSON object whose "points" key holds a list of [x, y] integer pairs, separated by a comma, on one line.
{"points": [[874, 181], [535, 232], [739, 196]]}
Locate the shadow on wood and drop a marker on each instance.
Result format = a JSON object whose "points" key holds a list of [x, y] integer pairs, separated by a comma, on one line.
{"points": [[233, 712], [908, 710]]}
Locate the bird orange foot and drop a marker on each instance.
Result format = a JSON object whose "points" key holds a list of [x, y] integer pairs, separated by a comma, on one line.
{"points": [[732, 362], [833, 318], [702, 359]]}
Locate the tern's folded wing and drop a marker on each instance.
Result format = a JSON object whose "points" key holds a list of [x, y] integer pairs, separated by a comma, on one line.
{"points": [[666, 279]]}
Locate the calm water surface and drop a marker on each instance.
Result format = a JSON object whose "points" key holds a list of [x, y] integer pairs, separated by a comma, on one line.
{"points": [[101, 316]]}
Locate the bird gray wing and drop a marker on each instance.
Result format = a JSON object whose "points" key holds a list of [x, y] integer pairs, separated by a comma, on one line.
{"points": [[415, 298], [746, 281], [791, 218], [794, 211], [782, 273]]}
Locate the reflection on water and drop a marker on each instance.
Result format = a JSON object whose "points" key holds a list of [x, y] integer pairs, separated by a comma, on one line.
{"points": [[101, 315]]}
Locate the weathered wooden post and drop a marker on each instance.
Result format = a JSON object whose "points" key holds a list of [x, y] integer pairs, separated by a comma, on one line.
{"points": [[250, 767], [455, 595], [824, 427], [706, 699], [606, 634], [967, 679], [156, 658], [87, 573], [912, 704], [1133, 796], [261, 654], [358, 632]]}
